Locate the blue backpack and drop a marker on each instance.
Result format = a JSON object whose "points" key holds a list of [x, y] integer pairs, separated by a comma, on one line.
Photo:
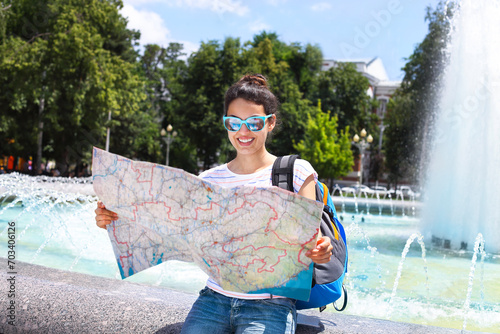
{"points": [[327, 284]]}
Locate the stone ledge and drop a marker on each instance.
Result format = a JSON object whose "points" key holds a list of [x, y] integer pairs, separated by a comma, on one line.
{"points": [[55, 301]]}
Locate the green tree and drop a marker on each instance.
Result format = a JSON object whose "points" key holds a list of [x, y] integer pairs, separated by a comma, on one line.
{"points": [[397, 143], [63, 66], [418, 97], [165, 72], [211, 70], [325, 148], [4, 12], [183, 151], [305, 64], [342, 89]]}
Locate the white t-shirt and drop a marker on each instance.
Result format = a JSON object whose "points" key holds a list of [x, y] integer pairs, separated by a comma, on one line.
{"points": [[223, 177]]}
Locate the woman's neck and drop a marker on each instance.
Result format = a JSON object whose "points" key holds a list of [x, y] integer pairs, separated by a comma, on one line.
{"points": [[248, 164]]}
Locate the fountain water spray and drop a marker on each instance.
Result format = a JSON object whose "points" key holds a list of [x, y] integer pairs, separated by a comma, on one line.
{"points": [[478, 248], [463, 183], [368, 199], [50, 212], [420, 240], [353, 230]]}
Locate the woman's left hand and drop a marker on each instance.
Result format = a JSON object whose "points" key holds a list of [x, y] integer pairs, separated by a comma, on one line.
{"points": [[322, 252]]}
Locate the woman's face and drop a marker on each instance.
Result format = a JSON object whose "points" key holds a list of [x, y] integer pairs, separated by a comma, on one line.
{"points": [[244, 140]]}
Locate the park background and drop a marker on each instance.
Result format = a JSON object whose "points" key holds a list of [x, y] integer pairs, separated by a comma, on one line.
{"points": [[74, 75]]}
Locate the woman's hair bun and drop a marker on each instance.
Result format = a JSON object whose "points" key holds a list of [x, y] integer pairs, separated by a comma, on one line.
{"points": [[255, 79], [253, 88]]}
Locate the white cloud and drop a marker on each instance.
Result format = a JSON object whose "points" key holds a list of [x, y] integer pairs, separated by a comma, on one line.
{"points": [[217, 6], [151, 25], [189, 47], [321, 6], [153, 29], [258, 26]]}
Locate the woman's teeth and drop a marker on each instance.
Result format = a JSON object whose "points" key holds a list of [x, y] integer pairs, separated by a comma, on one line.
{"points": [[245, 140]]}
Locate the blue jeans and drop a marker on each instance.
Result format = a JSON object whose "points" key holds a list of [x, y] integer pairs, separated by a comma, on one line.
{"points": [[216, 313]]}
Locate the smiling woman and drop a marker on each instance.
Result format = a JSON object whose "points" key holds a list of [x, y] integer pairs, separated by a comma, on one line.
{"points": [[250, 116]]}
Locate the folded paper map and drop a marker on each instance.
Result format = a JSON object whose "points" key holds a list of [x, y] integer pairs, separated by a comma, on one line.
{"points": [[247, 239]]}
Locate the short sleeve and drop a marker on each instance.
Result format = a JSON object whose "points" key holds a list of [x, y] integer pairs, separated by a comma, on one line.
{"points": [[302, 170]]}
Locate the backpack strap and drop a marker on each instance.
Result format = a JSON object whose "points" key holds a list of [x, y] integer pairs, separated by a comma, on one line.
{"points": [[322, 193], [282, 174], [325, 194]]}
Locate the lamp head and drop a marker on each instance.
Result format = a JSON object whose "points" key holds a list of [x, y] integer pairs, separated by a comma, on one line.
{"points": [[356, 138], [363, 133]]}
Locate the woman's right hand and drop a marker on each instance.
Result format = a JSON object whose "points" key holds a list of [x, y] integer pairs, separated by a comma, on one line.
{"points": [[104, 217]]}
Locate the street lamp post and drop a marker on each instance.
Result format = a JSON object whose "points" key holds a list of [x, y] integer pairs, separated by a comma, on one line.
{"points": [[382, 127], [108, 131], [170, 136], [362, 145]]}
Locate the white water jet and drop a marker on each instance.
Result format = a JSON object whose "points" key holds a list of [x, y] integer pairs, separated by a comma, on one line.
{"points": [[420, 240], [478, 248], [463, 182]]}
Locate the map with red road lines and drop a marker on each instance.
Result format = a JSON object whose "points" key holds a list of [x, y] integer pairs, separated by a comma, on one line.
{"points": [[247, 239]]}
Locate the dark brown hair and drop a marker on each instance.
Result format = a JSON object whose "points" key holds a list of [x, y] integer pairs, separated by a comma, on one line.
{"points": [[253, 88]]}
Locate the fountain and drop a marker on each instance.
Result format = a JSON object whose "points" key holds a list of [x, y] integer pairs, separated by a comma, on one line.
{"points": [[348, 198], [463, 184]]}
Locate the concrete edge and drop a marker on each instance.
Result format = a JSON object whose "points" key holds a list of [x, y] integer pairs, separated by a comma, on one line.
{"points": [[49, 300]]}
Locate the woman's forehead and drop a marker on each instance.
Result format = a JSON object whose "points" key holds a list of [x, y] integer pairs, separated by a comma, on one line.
{"points": [[242, 108]]}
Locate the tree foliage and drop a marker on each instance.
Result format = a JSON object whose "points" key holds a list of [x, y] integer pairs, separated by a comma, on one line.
{"points": [[163, 71], [64, 65], [398, 143], [408, 133], [342, 90], [324, 147], [211, 70]]}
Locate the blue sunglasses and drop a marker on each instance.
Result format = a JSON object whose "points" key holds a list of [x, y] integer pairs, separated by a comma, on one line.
{"points": [[254, 123]]}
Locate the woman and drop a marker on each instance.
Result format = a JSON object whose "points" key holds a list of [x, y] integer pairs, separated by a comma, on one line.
{"points": [[250, 110]]}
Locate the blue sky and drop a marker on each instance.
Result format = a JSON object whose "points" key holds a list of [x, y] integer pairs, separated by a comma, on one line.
{"points": [[343, 29]]}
